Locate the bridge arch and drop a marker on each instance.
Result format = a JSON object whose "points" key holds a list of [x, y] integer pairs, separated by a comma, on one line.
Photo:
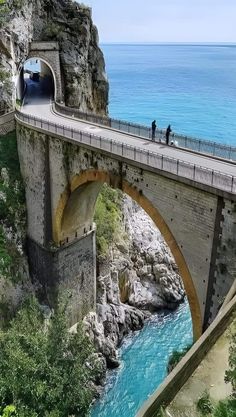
{"points": [[75, 211]]}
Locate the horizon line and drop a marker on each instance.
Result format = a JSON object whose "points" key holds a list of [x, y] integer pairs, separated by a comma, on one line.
{"points": [[223, 43]]}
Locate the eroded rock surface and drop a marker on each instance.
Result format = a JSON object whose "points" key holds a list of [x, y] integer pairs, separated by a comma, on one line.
{"points": [[113, 319], [70, 24]]}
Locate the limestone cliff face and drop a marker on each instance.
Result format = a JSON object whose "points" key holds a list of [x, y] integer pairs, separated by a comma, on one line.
{"points": [[82, 62], [15, 35]]}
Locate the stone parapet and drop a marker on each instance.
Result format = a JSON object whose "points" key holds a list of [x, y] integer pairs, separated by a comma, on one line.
{"points": [[7, 123], [44, 46]]}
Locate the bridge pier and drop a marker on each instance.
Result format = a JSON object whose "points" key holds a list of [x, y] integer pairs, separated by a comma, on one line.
{"points": [[68, 271]]}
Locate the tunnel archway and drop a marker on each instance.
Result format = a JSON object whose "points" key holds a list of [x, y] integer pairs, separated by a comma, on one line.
{"points": [[38, 73], [75, 212]]}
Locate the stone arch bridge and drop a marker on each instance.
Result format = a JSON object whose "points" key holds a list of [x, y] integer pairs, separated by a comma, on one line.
{"points": [[64, 167]]}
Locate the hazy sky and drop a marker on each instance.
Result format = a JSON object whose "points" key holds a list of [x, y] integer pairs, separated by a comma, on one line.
{"points": [[165, 20]]}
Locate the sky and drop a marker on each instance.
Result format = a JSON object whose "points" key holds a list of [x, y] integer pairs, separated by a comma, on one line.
{"points": [[164, 20]]}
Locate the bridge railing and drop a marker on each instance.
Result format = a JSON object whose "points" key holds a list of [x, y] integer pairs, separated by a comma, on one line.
{"points": [[152, 159], [194, 144], [7, 122]]}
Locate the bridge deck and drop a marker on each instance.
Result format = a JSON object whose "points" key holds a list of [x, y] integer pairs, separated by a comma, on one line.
{"points": [[36, 104]]}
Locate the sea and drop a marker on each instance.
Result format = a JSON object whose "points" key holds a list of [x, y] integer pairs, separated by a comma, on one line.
{"points": [[192, 87]]}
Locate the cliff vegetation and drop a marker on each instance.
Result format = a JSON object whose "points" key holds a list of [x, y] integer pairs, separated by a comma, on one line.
{"points": [[12, 208], [44, 370], [108, 217]]}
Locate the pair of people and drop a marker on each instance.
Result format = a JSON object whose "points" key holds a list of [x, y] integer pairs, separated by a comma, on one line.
{"points": [[168, 130]]}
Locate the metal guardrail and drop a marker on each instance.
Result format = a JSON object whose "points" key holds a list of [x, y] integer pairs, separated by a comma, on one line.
{"points": [[194, 144], [174, 166]]}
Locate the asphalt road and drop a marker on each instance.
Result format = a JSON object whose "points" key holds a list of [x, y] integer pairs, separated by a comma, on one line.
{"points": [[37, 103]]}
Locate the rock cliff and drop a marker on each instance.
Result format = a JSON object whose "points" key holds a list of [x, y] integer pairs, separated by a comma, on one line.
{"points": [[82, 63]]}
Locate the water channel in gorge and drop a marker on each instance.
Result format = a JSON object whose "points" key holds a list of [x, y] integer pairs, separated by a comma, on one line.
{"points": [[144, 356]]}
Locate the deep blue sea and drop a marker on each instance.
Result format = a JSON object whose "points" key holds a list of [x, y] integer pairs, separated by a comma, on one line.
{"points": [[191, 87]]}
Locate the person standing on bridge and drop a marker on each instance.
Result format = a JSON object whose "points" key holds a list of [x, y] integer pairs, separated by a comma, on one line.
{"points": [[168, 130], [154, 126]]}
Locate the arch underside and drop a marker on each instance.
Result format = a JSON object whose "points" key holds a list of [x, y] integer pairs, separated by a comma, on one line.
{"points": [[76, 208]]}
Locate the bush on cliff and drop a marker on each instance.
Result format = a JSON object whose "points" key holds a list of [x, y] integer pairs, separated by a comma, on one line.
{"points": [[230, 375], [12, 206], [45, 371], [176, 357], [4, 13], [107, 218]]}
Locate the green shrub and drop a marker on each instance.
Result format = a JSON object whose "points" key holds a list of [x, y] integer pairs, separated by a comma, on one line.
{"points": [[9, 411], [12, 202], [204, 404], [107, 218], [226, 408], [18, 102], [52, 32], [4, 75], [6, 7], [4, 15], [161, 413], [176, 357], [230, 374], [6, 259], [12, 208], [45, 371]]}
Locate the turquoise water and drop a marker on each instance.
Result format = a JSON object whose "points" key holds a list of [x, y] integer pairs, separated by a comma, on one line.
{"points": [[144, 358], [191, 87]]}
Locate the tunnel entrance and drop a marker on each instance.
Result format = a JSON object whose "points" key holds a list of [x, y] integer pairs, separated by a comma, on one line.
{"points": [[36, 81]]}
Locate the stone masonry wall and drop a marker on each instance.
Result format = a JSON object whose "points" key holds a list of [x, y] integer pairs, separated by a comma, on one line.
{"points": [[32, 156], [225, 272], [68, 271]]}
